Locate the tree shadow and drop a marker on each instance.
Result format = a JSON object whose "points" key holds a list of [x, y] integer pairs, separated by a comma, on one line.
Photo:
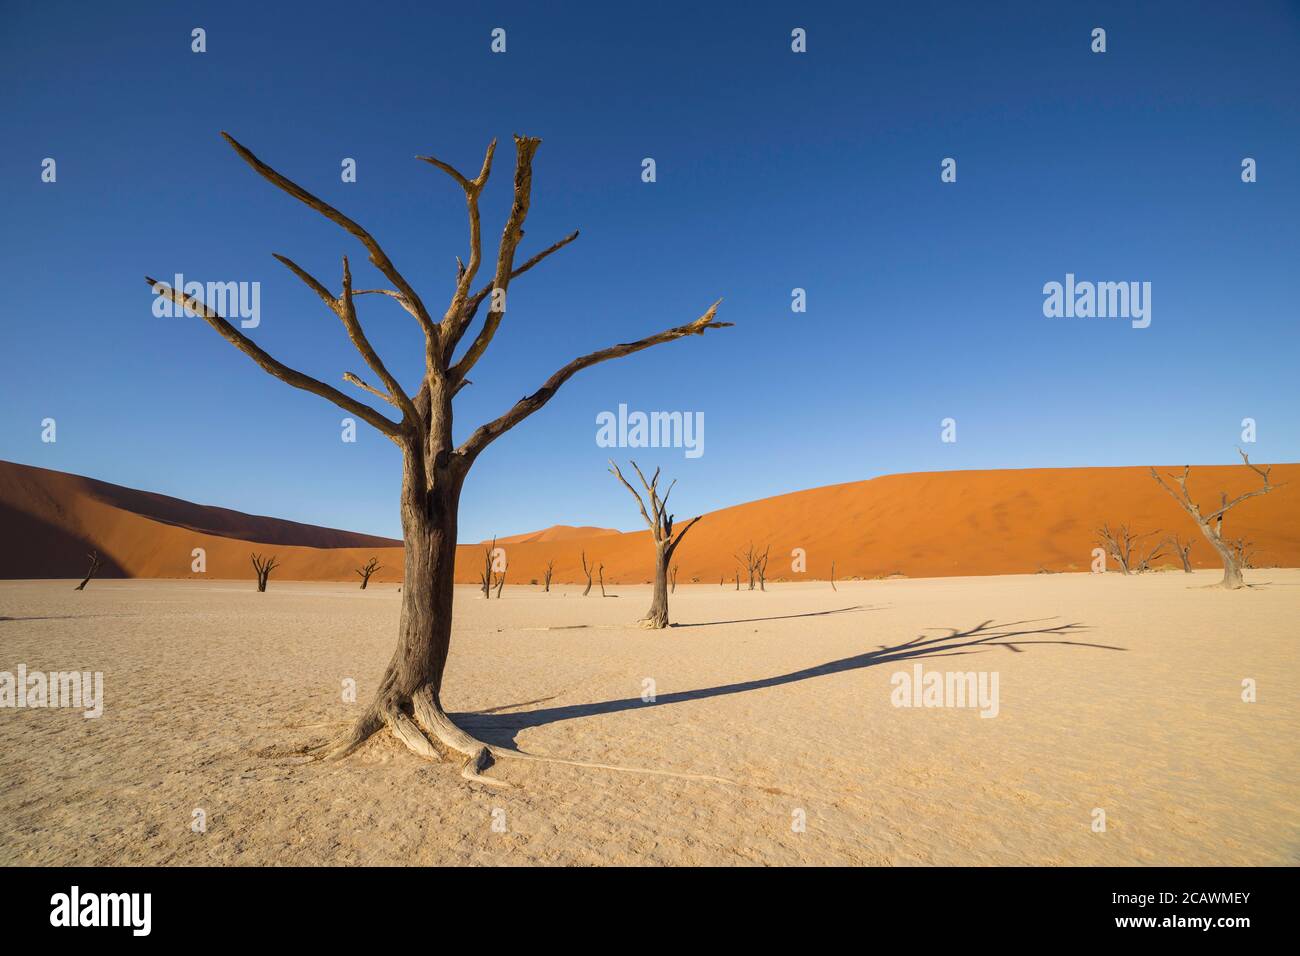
{"points": [[500, 729], [783, 617]]}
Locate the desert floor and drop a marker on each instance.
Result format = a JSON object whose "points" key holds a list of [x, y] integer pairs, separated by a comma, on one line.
{"points": [[1114, 693]]}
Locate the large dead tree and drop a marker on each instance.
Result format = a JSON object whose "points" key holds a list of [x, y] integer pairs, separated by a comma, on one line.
{"points": [[550, 570], [264, 567], [94, 566], [660, 523], [366, 570], [586, 569], [434, 466], [1211, 524]]}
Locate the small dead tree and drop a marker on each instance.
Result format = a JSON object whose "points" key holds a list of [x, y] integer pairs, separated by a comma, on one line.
{"points": [[1183, 551], [1119, 544], [749, 559], [367, 569], [434, 467], [550, 570], [485, 576], [1157, 552], [660, 523], [602, 581], [94, 566], [833, 587], [586, 569], [761, 568], [501, 583], [1211, 524], [264, 567]]}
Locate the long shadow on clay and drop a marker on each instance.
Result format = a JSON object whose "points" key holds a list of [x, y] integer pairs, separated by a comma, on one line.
{"points": [[502, 729]]}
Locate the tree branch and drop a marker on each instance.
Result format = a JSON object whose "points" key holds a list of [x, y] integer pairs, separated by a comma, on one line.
{"points": [[525, 147], [281, 371], [484, 435], [377, 255]]}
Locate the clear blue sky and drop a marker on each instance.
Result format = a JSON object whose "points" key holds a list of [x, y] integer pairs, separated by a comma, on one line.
{"points": [[775, 171]]}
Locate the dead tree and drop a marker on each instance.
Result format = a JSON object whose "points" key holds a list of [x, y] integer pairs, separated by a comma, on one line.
{"points": [[748, 560], [602, 581], [1183, 551], [586, 569], [367, 569], [673, 580], [264, 567], [501, 583], [1211, 524], [550, 570], [761, 568], [660, 523], [485, 576], [94, 566], [1119, 544], [434, 467], [833, 587], [1144, 563]]}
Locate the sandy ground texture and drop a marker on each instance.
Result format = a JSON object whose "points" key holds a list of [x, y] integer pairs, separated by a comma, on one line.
{"points": [[1118, 694]]}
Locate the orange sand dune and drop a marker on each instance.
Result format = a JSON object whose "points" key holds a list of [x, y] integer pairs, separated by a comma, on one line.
{"points": [[919, 525], [559, 532]]}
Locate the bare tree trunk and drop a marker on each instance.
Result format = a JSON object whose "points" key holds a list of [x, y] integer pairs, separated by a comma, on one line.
{"points": [[602, 582], [550, 569], [833, 587], [586, 569], [94, 566], [672, 577], [657, 616], [501, 583]]}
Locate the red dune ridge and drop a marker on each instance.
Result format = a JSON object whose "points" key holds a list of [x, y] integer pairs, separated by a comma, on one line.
{"points": [[928, 524]]}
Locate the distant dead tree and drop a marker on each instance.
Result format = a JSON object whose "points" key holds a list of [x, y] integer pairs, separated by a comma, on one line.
{"points": [[550, 570], [367, 569], [1211, 524], [737, 580], [673, 580], [501, 583], [434, 467], [602, 581], [1119, 544], [264, 567], [1183, 551], [1144, 563], [761, 568], [485, 576], [749, 559], [666, 542], [94, 566], [833, 587], [586, 569]]}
